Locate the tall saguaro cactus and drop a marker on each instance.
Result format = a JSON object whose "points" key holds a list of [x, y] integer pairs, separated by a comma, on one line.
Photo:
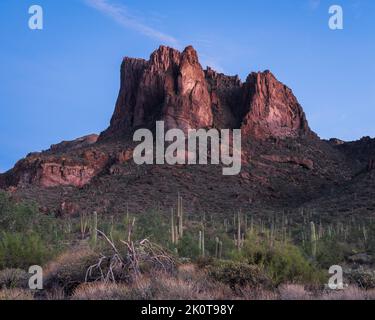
{"points": [[180, 216], [313, 238], [177, 227], [239, 238], [201, 243], [173, 236], [94, 228]]}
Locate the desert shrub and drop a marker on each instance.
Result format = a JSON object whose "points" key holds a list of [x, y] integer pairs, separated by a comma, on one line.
{"points": [[238, 274], [329, 252], [364, 279], [153, 227], [69, 270], [19, 250], [27, 236], [13, 278], [204, 262], [16, 294], [54, 294], [188, 247], [281, 260], [370, 244], [25, 217]]}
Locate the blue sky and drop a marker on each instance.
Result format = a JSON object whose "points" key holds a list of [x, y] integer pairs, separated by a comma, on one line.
{"points": [[61, 83]]}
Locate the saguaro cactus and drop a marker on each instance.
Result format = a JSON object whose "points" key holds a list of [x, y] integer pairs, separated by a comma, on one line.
{"points": [[180, 217], [201, 241], [173, 236], [220, 249], [83, 225], [177, 227], [217, 244], [239, 239], [313, 238], [94, 228]]}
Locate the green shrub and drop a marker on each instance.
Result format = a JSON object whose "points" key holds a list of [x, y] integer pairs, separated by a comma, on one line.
{"points": [[152, 226], [330, 252], [18, 250], [238, 274], [281, 260], [204, 262], [27, 236], [188, 247]]}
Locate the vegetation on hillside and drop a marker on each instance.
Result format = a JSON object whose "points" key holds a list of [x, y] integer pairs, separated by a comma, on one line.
{"points": [[176, 255]]}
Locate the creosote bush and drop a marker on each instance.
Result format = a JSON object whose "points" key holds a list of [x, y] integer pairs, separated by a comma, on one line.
{"points": [[18, 250], [238, 274], [282, 261], [27, 237]]}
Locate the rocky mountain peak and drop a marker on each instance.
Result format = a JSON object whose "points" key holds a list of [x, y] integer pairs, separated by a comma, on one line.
{"points": [[173, 87]]}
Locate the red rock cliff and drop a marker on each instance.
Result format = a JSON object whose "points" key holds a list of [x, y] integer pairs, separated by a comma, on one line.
{"points": [[173, 87]]}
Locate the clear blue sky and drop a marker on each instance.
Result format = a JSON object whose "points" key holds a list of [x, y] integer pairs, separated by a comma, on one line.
{"points": [[61, 83]]}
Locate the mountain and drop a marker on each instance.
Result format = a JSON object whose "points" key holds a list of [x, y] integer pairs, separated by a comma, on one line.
{"points": [[285, 165]]}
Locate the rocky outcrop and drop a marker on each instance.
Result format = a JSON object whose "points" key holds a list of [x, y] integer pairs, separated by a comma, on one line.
{"points": [[75, 144], [303, 162], [51, 171], [336, 142], [269, 109], [172, 86]]}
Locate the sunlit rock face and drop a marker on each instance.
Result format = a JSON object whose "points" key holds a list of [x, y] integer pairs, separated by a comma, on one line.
{"points": [[172, 86]]}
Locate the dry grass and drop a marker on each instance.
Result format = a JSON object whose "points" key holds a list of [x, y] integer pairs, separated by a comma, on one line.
{"points": [[56, 294], [350, 293], [188, 284], [192, 283], [101, 291], [16, 294], [293, 292]]}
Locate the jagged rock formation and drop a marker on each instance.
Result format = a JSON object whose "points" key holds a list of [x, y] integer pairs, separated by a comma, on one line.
{"points": [[173, 87], [170, 86], [270, 109]]}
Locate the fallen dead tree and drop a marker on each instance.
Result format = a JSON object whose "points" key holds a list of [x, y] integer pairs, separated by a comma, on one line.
{"points": [[128, 263]]}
